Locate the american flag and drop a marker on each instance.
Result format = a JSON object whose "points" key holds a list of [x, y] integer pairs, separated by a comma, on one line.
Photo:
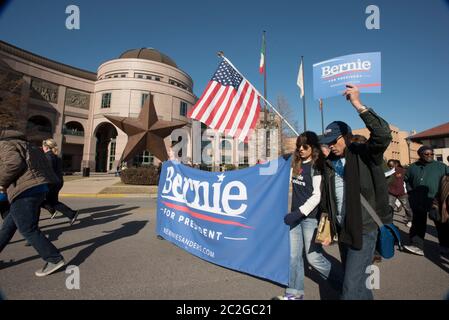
{"points": [[230, 104]]}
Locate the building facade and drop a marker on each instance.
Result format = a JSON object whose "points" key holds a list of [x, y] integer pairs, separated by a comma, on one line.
{"points": [[400, 148], [437, 138], [68, 104]]}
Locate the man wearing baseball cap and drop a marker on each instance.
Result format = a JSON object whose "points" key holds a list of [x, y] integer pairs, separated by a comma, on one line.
{"points": [[351, 170]]}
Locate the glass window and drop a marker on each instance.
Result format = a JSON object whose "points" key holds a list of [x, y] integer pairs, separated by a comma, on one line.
{"points": [[438, 143], [226, 152], [106, 100], [142, 100], [183, 109], [243, 153], [144, 158], [112, 153], [268, 136]]}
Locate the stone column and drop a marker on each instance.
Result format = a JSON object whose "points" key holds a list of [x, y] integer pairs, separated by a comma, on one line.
{"points": [[59, 123], [90, 141], [120, 143], [25, 96]]}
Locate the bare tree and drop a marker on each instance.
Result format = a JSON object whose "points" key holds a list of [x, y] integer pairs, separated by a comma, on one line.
{"points": [[286, 111], [11, 114]]}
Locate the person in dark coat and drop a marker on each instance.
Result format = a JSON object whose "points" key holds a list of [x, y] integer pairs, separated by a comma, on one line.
{"points": [[423, 180], [352, 170], [397, 191], [52, 203]]}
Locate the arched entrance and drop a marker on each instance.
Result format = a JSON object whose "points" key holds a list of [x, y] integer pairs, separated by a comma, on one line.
{"points": [[72, 146], [105, 150]]}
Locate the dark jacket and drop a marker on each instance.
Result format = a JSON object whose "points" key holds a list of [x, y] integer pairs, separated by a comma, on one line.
{"points": [[396, 185], [440, 204], [56, 165], [363, 174], [423, 180], [22, 165]]}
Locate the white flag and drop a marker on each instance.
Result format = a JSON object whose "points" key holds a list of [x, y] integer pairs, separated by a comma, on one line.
{"points": [[301, 80]]}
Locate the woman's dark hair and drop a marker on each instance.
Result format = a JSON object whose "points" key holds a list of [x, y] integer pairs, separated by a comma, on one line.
{"points": [[311, 139]]}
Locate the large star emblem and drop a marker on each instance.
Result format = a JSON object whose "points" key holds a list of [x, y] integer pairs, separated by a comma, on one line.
{"points": [[146, 132]]}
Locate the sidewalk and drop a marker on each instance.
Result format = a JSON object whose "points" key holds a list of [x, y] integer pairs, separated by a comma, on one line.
{"points": [[104, 187]]}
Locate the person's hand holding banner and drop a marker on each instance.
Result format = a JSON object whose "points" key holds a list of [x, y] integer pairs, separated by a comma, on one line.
{"points": [[352, 94]]}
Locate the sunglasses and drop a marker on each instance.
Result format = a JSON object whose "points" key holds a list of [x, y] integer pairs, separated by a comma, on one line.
{"points": [[428, 154], [304, 146], [335, 141]]}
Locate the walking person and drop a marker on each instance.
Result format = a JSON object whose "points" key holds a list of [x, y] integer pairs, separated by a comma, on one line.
{"points": [[423, 180], [397, 190], [52, 203], [307, 166], [25, 175], [350, 171]]}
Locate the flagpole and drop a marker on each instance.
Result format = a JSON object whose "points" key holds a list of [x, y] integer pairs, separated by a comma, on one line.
{"points": [[221, 54], [322, 116], [265, 115], [265, 77], [304, 94]]}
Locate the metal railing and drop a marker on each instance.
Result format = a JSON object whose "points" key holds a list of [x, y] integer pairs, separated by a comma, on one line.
{"points": [[73, 132]]}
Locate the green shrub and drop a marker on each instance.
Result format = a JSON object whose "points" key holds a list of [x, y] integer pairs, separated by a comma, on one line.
{"points": [[229, 167], [148, 175]]}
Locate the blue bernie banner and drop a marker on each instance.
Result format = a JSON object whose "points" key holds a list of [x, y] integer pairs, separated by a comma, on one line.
{"points": [[233, 218]]}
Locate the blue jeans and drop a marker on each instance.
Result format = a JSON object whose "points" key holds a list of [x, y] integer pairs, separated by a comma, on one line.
{"points": [[302, 236], [355, 263], [24, 215]]}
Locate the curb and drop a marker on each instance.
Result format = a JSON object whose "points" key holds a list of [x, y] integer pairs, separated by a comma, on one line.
{"points": [[107, 196]]}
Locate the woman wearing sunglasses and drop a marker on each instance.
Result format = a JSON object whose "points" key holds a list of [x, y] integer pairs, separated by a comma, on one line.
{"points": [[307, 166]]}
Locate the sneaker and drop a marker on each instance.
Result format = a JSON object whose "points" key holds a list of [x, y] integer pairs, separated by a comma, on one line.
{"points": [[289, 296], [50, 209], [409, 224], [74, 217], [49, 268], [53, 215], [414, 249], [444, 251]]}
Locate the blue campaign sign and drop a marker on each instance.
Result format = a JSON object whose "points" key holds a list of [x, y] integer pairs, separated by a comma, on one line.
{"points": [[233, 218], [331, 76]]}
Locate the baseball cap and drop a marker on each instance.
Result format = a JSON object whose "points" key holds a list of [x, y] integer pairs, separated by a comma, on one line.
{"points": [[333, 131]]}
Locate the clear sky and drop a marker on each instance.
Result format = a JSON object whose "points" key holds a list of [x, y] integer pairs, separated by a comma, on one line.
{"points": [[413, 39]]}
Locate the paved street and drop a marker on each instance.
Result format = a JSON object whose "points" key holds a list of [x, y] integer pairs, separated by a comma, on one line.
{"points": [[119, 257]]}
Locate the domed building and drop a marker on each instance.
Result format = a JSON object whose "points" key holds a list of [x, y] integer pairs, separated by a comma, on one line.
{"points": [[121, 88], [69, 104]]}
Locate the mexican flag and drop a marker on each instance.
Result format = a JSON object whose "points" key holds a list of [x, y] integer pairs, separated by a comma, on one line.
{"points": [[262, 56]]}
